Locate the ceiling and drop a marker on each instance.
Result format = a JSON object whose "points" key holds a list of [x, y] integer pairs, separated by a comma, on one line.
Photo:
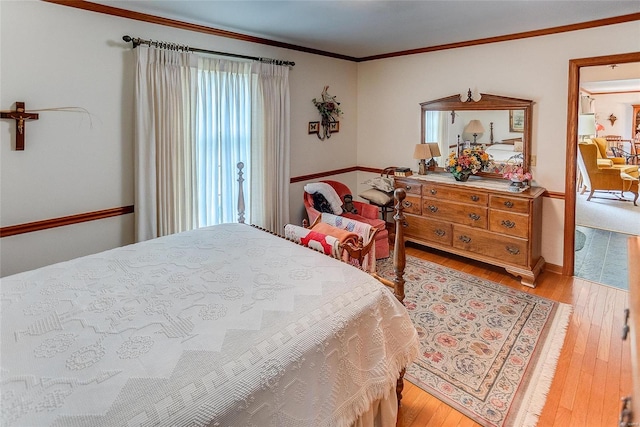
{"points": [[364, 28], [615, 78]]}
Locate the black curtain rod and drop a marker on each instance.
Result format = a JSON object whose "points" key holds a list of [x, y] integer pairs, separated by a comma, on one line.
{"points": [[175, 46]]}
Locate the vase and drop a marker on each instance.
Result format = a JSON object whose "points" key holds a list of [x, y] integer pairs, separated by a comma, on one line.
{"points": [[463, 177], [516, 185]]}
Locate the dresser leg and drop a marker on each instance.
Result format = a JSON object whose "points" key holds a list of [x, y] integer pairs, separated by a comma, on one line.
{"points": [[528, 278]]}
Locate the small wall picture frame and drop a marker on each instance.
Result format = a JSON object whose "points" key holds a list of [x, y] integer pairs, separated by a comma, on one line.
{"points": [[314, 127], [334, 127], [516, 120]]}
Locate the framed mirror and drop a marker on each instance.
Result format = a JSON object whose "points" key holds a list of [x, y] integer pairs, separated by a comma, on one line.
{"points": [[498, 124]]}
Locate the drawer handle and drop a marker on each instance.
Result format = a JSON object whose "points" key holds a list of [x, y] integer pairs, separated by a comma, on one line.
{"points": [[433, 209], [405, 224], [512, 250], [434, 191], [474, 216], [508, 204], [465, 239], [625, 328], [508, 224], [407, 187], [475, 198], [407, 204], [439, 232]]}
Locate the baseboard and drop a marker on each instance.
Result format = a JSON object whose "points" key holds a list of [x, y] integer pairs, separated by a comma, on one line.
{"points": [[553, 268]]}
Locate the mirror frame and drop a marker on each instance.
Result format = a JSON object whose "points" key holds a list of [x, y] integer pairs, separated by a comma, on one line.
{"points": [[486, 102]]}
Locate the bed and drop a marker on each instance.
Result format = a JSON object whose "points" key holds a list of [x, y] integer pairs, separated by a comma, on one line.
{"points": [[222, 326], [505, 151]]}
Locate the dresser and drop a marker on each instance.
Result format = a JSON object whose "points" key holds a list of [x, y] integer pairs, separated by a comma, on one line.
{"points": [[479, 219]]}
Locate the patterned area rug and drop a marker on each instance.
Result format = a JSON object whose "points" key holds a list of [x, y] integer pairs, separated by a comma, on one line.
{"points": [[487, 350]]}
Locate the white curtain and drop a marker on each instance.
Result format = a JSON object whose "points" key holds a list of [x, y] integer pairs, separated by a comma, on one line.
{"points": [[165, 196], [437, 130], [587, 104], [223, 138], [196, 119], [270, 145]]}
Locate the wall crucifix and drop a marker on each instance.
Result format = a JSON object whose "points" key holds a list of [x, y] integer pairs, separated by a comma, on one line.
{"points": [[20, 116]]}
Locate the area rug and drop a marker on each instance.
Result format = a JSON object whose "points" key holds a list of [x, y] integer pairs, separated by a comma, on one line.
{"points": [[581, 238], [605, 212], [487, 350]]}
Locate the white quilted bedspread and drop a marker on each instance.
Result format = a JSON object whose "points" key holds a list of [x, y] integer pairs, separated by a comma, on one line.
{"points": [[223, 326]]}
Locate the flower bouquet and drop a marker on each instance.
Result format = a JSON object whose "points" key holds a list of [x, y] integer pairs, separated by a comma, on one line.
{"points": [[469, 162], [517, 175]]}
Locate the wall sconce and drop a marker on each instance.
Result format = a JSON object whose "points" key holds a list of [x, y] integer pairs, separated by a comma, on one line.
{"points": [[612, 119], [474, 127], [425, 151]]}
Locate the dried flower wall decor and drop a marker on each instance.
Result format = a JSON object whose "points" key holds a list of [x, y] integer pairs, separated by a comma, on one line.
{"points": [[329, 109]]}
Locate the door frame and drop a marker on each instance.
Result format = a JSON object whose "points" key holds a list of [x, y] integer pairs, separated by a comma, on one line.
{"points": [[572, 147]]}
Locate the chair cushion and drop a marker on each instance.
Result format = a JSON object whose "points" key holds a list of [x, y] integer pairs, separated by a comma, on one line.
{"points": [[381, 183], [604, 163], [376, 196]]}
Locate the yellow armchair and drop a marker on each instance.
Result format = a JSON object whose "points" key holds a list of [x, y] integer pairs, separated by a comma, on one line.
{"points": [[602, 178], [603, 146]]}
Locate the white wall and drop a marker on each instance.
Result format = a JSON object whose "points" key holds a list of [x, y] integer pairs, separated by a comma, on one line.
{"points": [[56, 56], [620, 105], [390, 90]]}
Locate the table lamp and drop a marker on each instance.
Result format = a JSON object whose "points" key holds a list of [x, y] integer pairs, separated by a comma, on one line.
{"points": [[425, 151], [474, 127], [586, 125]]}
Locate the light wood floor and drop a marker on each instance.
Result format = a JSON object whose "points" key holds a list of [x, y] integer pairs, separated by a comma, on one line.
{"points": [[594, 369]]}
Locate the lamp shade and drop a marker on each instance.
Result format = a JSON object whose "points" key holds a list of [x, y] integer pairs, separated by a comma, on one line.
{"points": [[474, 126], [586, 124], [434, 147], [422, 151]]}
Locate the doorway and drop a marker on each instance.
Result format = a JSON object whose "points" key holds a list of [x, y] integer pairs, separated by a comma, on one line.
{"points": [[575, 67], [604, 223]]}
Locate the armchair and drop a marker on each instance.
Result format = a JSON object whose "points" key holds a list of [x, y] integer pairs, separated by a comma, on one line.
{"points": [[603, 147], [630, 159], [604, 178], [366, 213]]}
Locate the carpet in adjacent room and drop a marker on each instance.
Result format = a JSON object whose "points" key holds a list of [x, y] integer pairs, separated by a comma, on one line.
{"points": [[487, 350], [603, 257]]}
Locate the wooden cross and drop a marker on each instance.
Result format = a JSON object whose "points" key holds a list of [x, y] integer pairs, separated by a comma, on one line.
{"points": [[19, 115]]}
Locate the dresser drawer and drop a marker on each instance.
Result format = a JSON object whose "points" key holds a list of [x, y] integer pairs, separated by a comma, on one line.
{"points": [[468, 196], [512, 224], [474, 216], [412, 205], [506, 249], [430, 230], [411, 187], [511, 204]]}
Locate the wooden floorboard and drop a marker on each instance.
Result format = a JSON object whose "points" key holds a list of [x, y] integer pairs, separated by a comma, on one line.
{"points": [[594, 368]]}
